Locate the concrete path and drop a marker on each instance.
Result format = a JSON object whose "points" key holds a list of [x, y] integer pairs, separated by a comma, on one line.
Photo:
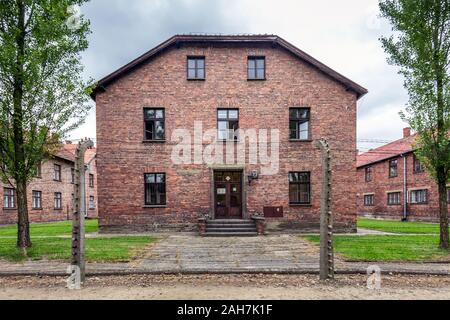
{"points": [[189, 253], [276, 253]]}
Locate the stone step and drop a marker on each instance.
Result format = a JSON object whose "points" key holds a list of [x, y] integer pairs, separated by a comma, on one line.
{"points": [[231, 234], [234, 229], [221, 225]]}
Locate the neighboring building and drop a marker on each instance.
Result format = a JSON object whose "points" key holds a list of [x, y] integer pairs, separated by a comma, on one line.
{"points": [[224, 82], [50, 195], [387, 174]]}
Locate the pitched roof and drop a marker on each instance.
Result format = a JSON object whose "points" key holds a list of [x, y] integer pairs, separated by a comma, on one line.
{"points": [[268, 39], [390, 150], [67, 152]]}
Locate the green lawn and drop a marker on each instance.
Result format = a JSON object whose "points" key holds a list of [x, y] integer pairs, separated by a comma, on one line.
{"points": [[49, 229], [398, 226], [388, 248], [117, 249], [55, 247]]}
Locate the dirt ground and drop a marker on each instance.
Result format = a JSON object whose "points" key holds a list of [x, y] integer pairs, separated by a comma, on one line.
{"points": [[225, 287]]}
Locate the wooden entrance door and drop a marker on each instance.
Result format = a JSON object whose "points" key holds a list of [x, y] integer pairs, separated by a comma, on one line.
{"points": [[228, 194]]}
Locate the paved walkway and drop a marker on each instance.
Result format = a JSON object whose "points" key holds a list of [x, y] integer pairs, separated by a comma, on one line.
{"points": [[188, 253]]}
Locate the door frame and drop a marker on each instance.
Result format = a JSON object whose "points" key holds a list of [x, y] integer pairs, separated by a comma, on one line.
{"points": [[244, 183]]}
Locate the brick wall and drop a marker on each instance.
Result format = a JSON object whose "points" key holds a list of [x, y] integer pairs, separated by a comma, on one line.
{"points": [[48, 186], [383, 184], [123, 158]]}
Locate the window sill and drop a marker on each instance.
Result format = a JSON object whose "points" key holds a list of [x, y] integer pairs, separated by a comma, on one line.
{"points": [[9, 209], [418, 204], [37, 209], [154, 141], [196, 80], [305, 205], [394, 205], [252, 80], [154, 206], [301, 140], [57, 180]]}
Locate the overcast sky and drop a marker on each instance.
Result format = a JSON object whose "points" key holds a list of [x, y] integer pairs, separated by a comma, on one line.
{"points": [[342, 34]]}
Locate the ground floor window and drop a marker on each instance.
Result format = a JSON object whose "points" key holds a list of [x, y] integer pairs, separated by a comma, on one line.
{"points": [[419, 196], [58, 200], [299, 188], [155, 189], [394, 198], [369, 200], [36, 200], [9, 198], [91, 202]]}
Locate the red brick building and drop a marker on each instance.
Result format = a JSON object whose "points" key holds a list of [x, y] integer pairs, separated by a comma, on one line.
{"points": [[50, 194], [387, 174], [224, 83]]}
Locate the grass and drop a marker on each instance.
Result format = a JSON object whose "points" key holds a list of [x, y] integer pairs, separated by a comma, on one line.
{"points": [[49, 229], [116, 249], [399, 227], [380, 248], [49, 243]]}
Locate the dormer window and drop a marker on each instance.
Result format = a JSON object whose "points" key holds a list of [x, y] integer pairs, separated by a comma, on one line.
{"points": [[196, 68]]}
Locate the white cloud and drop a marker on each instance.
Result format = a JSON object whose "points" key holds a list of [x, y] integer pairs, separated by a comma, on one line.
{"points": [[342, 34]]}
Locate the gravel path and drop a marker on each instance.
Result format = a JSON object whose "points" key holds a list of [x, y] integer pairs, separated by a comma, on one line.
{"points": [[226, 287]]}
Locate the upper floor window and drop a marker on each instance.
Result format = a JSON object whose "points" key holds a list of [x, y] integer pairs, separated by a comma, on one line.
{"points": [[369, 174], [393, 168], [9, 198], [228, 124], [299, 119], [36, 200], [154, 124], [256, 68], [419, 196], [91, 180], [196, 68], [394, 198], [369, 200], [39, 171], [58, 201], [418, 166], [155, 189], [57, 172], [299, 188]]}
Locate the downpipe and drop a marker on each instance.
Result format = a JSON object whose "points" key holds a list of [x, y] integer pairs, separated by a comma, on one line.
{"points": [[405, 189]]}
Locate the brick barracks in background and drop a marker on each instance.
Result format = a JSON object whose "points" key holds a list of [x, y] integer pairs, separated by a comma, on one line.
{"points": [[225, 82], [50, 194], [387, 174]]}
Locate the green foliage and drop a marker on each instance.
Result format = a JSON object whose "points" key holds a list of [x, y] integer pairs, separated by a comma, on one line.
{"points": [[42, 93], [420, 46]]}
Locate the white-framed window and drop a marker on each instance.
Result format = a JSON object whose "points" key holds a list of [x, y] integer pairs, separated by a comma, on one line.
{"points": [[419, 196]]}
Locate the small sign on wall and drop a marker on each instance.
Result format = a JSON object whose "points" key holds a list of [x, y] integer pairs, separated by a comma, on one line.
{"points": [[221, 191], [273, 212]]}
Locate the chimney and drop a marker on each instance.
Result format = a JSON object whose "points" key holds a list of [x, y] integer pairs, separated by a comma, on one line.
{"points": [[406, 132], [68, 142]]}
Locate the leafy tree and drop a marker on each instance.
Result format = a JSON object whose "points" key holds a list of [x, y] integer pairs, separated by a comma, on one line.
{"points": [[420, 46], [42, 93]]}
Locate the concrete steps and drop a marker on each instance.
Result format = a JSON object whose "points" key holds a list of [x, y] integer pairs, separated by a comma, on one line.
{"points": [[231, 228]]}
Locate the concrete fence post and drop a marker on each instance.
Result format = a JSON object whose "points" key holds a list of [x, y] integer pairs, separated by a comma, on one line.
{"points": [[326, 215]]}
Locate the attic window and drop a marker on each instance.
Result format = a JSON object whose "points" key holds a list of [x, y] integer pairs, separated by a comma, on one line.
{"points": [[196, 68], [256, 68]]}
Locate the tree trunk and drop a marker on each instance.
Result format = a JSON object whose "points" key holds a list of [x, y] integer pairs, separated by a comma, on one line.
{"points": [[23, 225], [23, 235], [443, 214]]}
